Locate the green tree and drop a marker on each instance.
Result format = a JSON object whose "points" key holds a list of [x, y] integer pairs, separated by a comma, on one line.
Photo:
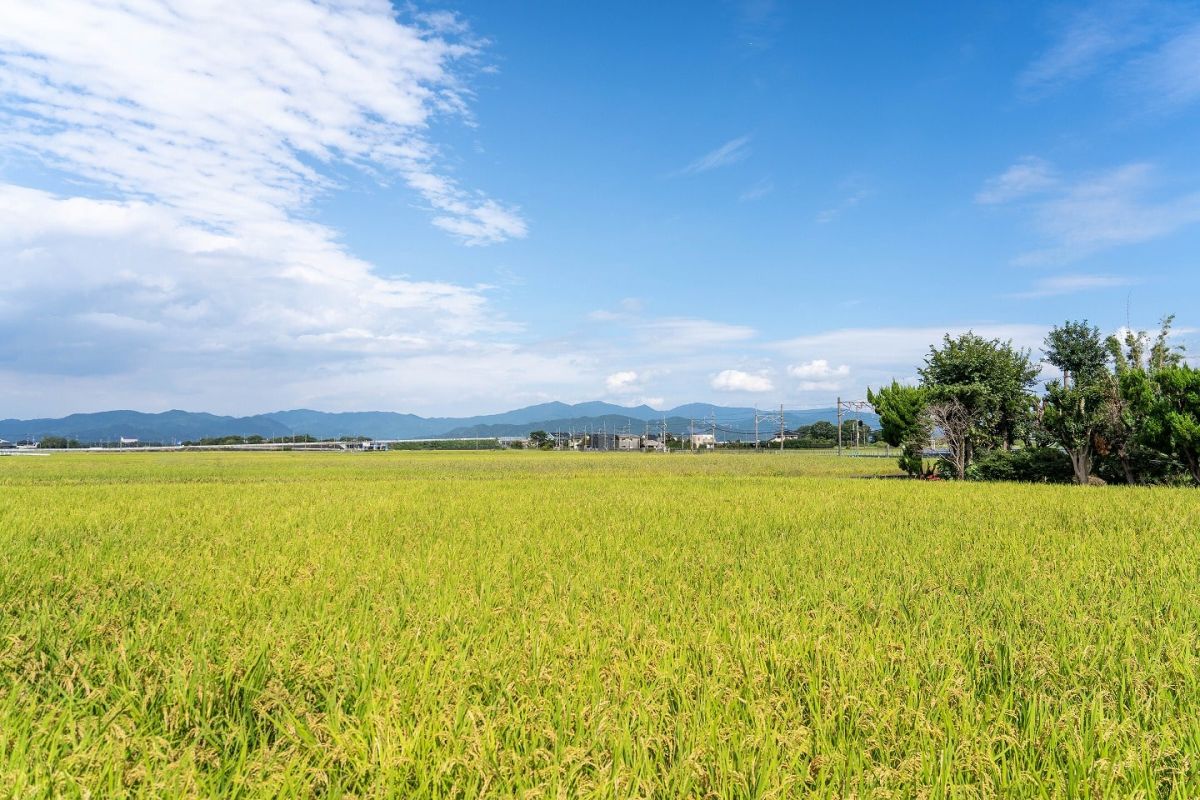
{"points": [[991, 379], [823, 430], [57, 443], [1078, 350], [1173, 423], [903, 422], [539, 438]]}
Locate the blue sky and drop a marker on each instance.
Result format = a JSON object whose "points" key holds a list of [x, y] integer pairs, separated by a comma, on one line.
{"points": [[466, 207]]}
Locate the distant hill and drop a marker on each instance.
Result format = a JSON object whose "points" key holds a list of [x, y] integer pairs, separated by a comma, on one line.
{"points": [[171, 426]]}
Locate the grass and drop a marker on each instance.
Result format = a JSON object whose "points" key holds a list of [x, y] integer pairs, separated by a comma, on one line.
{"points": [[558, 624]]}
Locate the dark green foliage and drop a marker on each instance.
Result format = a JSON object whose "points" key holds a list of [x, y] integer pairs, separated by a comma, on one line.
{"points": [[1133, 435], [901, 411], [1026, 464], [448, 444], [1077, 410], [1072, 415], [903, 422], [1173, 423], [210, 441], [57, 443]]}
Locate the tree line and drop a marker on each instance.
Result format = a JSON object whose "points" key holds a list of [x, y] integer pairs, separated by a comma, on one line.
{"points": [[1125, 409]]}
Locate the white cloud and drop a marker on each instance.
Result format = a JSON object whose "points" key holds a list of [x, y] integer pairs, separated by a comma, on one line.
{"points": [[621, 382], [103, 267], [1030, 175], [1073, 284], [731, 152], [818, 368], [733, 380], [201, 132], [232, 113]]}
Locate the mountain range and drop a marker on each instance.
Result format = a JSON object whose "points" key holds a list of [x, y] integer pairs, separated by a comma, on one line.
{"points": [[171, 426]]}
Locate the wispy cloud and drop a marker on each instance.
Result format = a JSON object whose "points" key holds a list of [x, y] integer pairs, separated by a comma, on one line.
{"points": [[683, 333], [894, 346], [1073, 284], [1085, 215], [627, 309], [1030, 175], [760, 189], [854, 190], [731, 152], [1145, 50], [1087, 40], [1171, 74]]}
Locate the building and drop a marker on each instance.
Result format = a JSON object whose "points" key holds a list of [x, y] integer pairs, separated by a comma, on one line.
{"points": [[629, 441], [698, 441]]}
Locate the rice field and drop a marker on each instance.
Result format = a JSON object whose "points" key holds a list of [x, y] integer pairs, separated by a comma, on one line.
{"points": [[568, 625]]}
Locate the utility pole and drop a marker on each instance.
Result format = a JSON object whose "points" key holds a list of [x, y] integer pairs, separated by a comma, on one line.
{"points": [[839, 413], [692, 434], [755, 428], [782, 430]]}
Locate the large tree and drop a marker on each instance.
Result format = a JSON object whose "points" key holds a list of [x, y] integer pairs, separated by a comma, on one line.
{"points": [[991, 379], [1076, 409]]}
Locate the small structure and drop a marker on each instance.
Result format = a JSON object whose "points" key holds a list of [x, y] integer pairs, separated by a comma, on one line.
{"points": [[374, 446], [602, 441]]}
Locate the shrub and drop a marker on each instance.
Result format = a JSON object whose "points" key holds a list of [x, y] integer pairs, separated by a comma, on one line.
{"points": [[1027, 465]]}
